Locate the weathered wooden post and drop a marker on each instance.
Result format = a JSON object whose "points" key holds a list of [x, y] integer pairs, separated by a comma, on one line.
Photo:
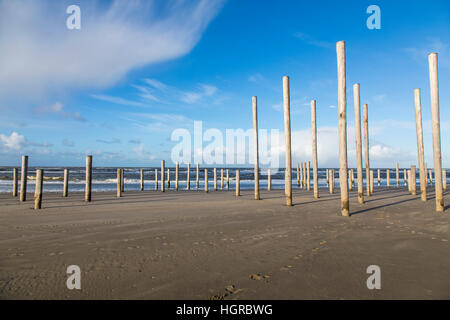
{"points": [[188, 177], [197, 181], [359, 170], [426, 173], [122, 180], [409, 181], [314, 148], [397, 176], [304, 173], [371, 181], [331, 186], [87, 196], [379, 176], [350, 180], [38, 189], [142, 179], [221, 179], [119, 183], [255, 146], [23, 179], [444, 179], [328, 174], [366, 145], [308, 179], [298, 175], [405, 176], [413, 180], [269, 180], [215, 179], [238, 183], [388, 177], [168, 178], [287, 130], [437, 156], [420, 153], [342, 109], [156, 179], [302, 182], [15, 182], [206, 180], [66, 183], [163, 178], [228, 179], [177, 169]]}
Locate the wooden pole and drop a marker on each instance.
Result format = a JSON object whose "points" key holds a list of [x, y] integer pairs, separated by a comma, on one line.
{"points": [[197, 181], [342, 109], [298, 175], [366, 145], [350, 180], [359, 170], [430, 173], [388, 177], [15, 182], [255, 145], [215, 179], [87, 196], [228, 180], [420, 153], [221, 179], [328, 174], [188, 177], [444, 179], [331, 186], [379, 176], [142, 179], [302, 182], [397, 176], [206, 180], [287, 130], [156, 179], [413, 180], [308, 178], [405, 176], [238, 183], [371, 181], [304, 173], [38, 189], [426, 173], [314, 148], [66, 183], [122, 180], [437, 156], [163, 178], [23, 179], [119, 183], [168, 178], [409, 181], [269, 180], [177, 169]]}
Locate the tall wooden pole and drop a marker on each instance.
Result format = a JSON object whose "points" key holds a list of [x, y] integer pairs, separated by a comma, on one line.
{"points": [[228, 179], [413, 180], [15, 182], [188, 177], [238, 183], [87, 196], [434, 95], [350, 180], [314, 148], [221, 179], [122, 180], [444, 179], [142, 179], [168, 178], [430, 173], [215, 179], [197, 181], [359, 170], [206, 180], [328, 175], [66, 183], [397, 176], [255, 145], [298, 175], [388, 177], [331, 174], [38, 189], [342, 108], [366, 145], [371, 181], [420, 153], [163, 178], [287, 130], [156, 179], [119, 183], [302, 182], [405, 176], [308, 177], [304, 174], [379, 176], [269, 180], [409, 181], [177, 169], [23, 179]]}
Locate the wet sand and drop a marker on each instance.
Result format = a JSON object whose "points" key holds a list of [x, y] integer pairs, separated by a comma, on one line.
{"points": [[192, 245]]}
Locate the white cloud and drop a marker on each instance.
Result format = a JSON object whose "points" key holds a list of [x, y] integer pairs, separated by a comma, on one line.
{"points": [[117, 100], [204, 91], [58, 109], [40, 55], [15, 141]]}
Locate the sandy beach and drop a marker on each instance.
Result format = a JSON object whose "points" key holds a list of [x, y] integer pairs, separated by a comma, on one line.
{"points": [[193, 245]]}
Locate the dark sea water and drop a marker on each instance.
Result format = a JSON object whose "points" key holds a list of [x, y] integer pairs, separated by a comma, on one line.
{"points": [[105, 178]]}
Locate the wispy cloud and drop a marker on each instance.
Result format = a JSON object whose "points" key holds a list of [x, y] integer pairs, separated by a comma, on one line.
{"points": [[117, 100], [420, 54], [312, 41], [58, 109], [112, 141], [203, 91]]}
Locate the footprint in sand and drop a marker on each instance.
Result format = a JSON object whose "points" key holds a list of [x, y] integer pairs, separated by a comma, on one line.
{"points": [[285, 268], [259, 276]]}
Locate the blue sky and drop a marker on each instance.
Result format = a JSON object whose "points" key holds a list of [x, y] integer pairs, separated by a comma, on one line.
{"points": [[137, 70]]}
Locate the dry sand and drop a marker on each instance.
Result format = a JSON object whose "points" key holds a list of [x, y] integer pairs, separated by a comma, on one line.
{"points": [[192, 245]]}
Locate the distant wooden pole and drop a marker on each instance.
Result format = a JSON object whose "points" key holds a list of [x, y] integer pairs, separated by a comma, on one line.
{"points": [[437, 156], [269, 180], [420, 153], [379, 176], [388, 177], [119, 183], [188, 177], [228, 180], [366, 145], [221, 179], [371, 181], [413, 180], [38, 189], [287, 130], [430, 173], [23, 179], [298, 175], [142, 179], [197, 181], [331, 186], [168, 178], [238, 183], [405, 176], [163, 178], [122, 180], [353, 177], [156, 179], [87, 196], [304, 174], [308, 175], [426, 173], [444, 179], [314, 148], [359, 170], [215, 179], [206, 180], [409, 181], [15, 182], [177, 169], [328, 175], [302, 183], [397, 175], [350, 180], [66, 183], [255, 145], [342, 109]]}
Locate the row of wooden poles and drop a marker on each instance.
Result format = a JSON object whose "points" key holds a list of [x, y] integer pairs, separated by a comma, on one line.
{"points": [[345, 175]]}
